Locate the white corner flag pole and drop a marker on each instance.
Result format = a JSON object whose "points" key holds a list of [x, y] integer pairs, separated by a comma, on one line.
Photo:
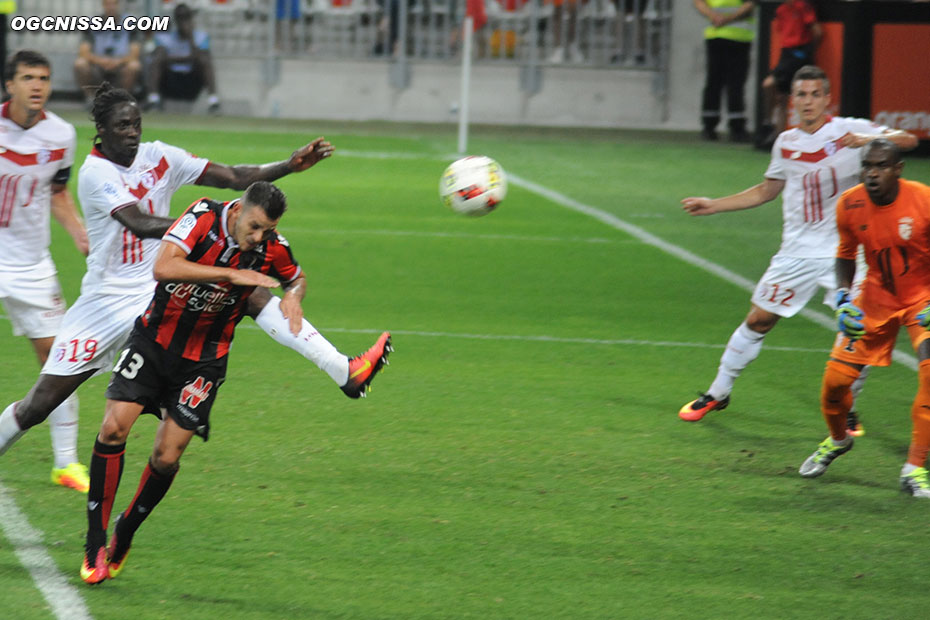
{"points": [[466, 83]]}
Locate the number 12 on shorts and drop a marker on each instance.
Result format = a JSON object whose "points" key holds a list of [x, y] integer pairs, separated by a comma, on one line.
{"points": [[780, 295]]}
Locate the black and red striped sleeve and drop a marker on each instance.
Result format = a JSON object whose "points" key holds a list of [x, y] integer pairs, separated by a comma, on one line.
{"points": [[192, 226], [283, 265]]}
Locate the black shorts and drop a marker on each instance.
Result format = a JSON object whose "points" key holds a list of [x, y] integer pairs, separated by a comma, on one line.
{"points": [[163, 382], [790, 60], [181, 85]]}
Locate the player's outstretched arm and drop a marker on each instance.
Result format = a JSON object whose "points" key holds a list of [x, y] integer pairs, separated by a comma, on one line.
{"points": [[141, 224], [241, 176], [746, 199], [290, 303], [65, 213], [171, 265], [904, 140]]}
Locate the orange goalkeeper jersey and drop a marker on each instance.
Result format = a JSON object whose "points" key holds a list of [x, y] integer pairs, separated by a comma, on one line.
{"points": [[896, 239]]}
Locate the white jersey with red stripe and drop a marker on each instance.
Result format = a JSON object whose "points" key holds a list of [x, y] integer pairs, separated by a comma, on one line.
{"points": [[29, 161], [119, 262], [816, 169]]}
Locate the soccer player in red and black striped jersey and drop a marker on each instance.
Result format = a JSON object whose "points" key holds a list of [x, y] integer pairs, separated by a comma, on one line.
{"points": [[209, 263]]}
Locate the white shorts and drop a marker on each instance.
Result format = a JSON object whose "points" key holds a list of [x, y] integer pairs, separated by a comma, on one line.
{"points": [[33, 301], [789, 283], [93, 331]]}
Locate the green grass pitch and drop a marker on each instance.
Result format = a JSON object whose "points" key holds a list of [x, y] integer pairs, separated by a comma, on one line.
{"points": [[521, 457]]}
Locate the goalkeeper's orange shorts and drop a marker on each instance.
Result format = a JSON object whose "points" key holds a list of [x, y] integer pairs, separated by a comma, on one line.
{"points": [[881, 332]]}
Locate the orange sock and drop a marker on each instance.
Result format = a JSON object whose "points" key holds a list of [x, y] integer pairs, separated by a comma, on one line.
{"points": [[836, 398], [920, 418]]}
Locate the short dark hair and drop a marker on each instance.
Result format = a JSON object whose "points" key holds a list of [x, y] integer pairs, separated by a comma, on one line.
{"points": [[267, 196], [883, 144], [29, 58], [106, 99], [812, 72]]}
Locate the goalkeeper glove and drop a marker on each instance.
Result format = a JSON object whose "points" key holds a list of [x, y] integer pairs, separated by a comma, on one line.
{"points": [[848, 316], [923, 318]]}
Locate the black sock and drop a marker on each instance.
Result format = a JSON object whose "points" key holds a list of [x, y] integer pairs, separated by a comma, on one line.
{"points": [[106, 468], [152, 488]]}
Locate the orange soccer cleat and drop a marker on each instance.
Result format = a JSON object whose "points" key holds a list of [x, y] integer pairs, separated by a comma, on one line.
{"points": [[698, 408], [364, 367]]}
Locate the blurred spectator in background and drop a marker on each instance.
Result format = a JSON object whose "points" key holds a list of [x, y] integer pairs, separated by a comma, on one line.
{"points": [[728, 39], [388, 28], [565, 18], [287, 13], [503, 41], [111, 55], [477, 11], [181, 64], [798, 33]]}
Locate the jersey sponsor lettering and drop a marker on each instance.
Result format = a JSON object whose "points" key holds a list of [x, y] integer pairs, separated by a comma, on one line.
{"points": [[197, 321]]}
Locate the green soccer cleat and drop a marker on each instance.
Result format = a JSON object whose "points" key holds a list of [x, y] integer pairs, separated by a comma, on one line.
{"points": [[818, 462], [74, 476], [916, 483]]}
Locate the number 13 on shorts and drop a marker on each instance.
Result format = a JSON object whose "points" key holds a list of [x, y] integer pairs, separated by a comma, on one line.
{"points": [[129, 368]]}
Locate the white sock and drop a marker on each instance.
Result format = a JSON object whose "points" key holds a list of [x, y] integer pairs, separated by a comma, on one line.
{"points": [[908, 468], [309, 343], [9, 429], [858, 384], [744, 346], [842, 442], [63, 426]]}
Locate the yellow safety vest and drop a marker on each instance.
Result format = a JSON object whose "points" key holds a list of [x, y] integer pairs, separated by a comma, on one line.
{"points": [[743, 30], [7, 6]]}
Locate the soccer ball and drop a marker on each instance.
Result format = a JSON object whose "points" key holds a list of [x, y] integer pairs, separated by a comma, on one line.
{"points": [[473, 185]]}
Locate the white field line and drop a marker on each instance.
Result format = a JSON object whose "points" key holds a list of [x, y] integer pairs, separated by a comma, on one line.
{"points": [[692, 259], [64, 599], [455, 235], [543, 338], [636, 232]]}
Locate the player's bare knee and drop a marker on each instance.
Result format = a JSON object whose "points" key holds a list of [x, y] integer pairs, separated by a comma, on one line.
{"points": [[113, 431], [761, 323], [163, 464]]}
